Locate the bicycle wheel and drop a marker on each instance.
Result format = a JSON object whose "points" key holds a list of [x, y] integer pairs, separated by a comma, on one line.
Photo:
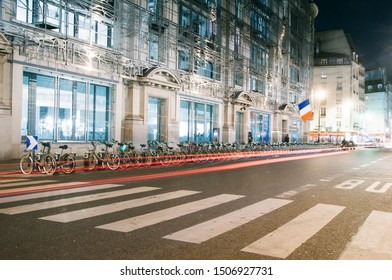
{"points": [[136, 160], [125, 161], [176, 158], [49, 164], [26, 164], [164, 158], [67, 164], [146, 160], [113, 161], [90, 161]]}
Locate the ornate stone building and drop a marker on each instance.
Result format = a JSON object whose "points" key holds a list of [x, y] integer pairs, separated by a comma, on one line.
{"points": [[167, 70]]}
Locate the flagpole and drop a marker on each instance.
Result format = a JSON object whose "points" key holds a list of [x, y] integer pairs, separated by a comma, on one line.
{"points": [[320, 97], [318, 131]]}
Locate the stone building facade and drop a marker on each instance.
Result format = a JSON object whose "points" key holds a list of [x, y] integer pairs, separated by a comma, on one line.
{"points": [[139, 70]]}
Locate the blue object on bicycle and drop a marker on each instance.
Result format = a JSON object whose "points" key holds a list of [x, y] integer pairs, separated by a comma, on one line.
{"points": [[123, 147], [31, 142]]}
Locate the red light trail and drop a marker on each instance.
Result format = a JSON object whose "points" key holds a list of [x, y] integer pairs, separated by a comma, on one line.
{"points": [[135, 178]]}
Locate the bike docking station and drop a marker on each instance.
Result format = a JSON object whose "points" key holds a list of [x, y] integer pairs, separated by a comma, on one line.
{"points": [[45, 161]]}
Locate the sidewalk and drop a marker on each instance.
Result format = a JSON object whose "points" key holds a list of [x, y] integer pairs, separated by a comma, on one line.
{"points": [[11, 167]]}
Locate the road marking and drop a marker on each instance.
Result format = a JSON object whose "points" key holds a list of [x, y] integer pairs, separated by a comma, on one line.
{"points": [[54, 193], [373, 240], [373, 187], [152, 218], [8, 191], [330, 178], [207, 230], [4, 182], [115, 207], [283, 241], [349, 184], [18, 183], [296, 191], [69, 201]]}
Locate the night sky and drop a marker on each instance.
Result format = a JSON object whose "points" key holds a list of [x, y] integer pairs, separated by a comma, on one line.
{"points": [[368, 22]]}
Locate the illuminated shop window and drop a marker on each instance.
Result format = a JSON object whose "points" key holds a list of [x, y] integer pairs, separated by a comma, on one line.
{"points": [[61, 109]]}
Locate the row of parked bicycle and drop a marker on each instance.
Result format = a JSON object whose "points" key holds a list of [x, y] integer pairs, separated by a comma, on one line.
{"points": [[115, 154], [44, 161]]}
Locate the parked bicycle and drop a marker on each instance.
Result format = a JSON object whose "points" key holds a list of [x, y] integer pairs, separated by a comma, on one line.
{"points": [[105, 158], [65, 160], [146, 156], [42, 162], [135, 157], [122, 151]]}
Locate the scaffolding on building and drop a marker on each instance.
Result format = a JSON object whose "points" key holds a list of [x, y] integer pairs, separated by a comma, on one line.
{"points": [[239, 54], [277, 28]]}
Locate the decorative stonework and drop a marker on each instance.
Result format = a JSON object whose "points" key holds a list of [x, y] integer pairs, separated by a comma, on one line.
{"points": [[160, 77], [242, 99], [200, 86]]}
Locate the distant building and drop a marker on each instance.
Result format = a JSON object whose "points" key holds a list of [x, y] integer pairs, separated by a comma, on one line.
{"points": [[378, 101], [338, 74]]}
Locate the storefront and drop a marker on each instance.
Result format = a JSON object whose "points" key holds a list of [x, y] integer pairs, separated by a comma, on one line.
{"points": [[260, 126], [59, 107], [197, 121], [329, 137]]}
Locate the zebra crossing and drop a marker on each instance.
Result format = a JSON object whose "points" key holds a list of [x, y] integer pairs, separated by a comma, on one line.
{"points": [[372, 241], [283, 241]]}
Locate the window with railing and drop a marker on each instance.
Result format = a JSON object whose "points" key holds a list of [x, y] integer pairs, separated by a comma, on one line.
{"points": [[238, 41], [156, 7], [257, 85], [154, 47], [183, 59], [338, 112], [206, 68], [294, 74], [323, 112], [239, 7], [191, 21], [293, 97], [238, 76], [259, 24], [259, 57], [70, 20]]}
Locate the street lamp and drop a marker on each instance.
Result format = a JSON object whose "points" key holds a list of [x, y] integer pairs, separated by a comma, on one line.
{"points": [[320, 95]]}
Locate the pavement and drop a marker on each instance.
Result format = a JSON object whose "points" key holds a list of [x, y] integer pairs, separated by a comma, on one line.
{"points": [[11, 167]]}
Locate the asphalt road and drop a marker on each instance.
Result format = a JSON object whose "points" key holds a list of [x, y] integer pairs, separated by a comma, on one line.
{"points": [[317, 207]]}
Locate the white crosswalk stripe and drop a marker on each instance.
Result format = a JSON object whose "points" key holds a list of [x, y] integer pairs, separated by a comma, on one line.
{"points": [[152, 218], [115, 207], [55, 193], [34, 188], [18, 182], [207, 230], [283, 241], [373, 240], [74, 200]]}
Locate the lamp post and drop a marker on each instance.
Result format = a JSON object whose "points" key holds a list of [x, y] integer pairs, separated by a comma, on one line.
{"points": [[320, 96]]}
